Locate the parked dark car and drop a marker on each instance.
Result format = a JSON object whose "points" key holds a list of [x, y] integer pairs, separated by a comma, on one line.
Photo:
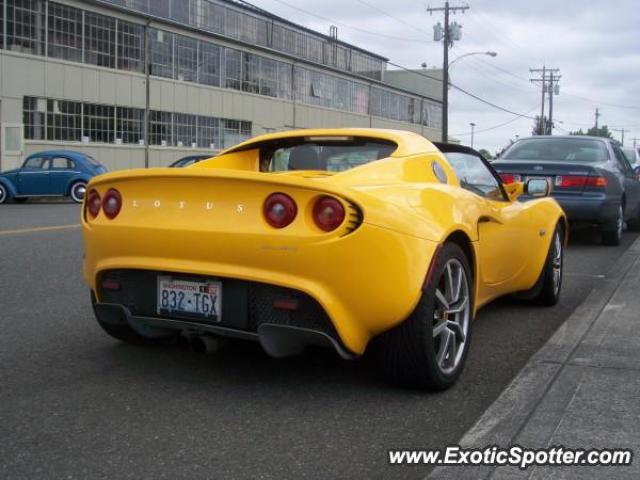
{"points": [[190, 160], [57, 173], [589, 176]]}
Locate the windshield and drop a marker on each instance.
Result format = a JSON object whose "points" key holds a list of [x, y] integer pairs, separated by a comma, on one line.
{"points": [[558, 149], [330, 155]]}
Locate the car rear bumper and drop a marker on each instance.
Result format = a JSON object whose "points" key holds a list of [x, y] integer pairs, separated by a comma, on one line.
{"points": [[599, 209], [365, 282], [589, 209]]}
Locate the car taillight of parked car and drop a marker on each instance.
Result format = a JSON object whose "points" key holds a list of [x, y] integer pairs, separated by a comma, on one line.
{"points": [[94, 202], [578, 181], [279, 210], [328, 213], [112, 203], [508, 178]]}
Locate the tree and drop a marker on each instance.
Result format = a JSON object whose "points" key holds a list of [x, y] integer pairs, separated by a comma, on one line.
{"points": [[485, 153], [537, 127], [602, 131]]}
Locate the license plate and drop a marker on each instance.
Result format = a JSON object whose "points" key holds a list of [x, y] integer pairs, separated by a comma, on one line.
{"points": [[548, 179], [191, 298]]}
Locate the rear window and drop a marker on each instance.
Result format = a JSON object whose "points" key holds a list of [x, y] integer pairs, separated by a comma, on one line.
{"points": [[335, 154], [558, 149], [630, 153]]}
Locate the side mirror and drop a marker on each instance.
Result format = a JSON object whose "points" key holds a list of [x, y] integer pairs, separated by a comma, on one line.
{"points": [[537, 187], [514, 190]]}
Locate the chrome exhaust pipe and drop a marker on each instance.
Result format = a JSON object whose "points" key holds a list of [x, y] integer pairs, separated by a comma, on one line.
{"points": [[205, 344]]}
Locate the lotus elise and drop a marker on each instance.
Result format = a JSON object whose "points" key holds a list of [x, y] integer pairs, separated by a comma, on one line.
{"points": [[335, 237]]}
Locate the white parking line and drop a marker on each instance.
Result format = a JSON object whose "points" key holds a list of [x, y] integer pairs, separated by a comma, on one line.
{"points": [[38, 229]]}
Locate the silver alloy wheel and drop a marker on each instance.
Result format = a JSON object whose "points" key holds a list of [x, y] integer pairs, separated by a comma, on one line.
{"points": [[451, 316], [78, 191], [557, 262], [3, 194]]}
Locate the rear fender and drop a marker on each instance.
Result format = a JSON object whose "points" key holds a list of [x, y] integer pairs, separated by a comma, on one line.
{"points": [[11, 190]]}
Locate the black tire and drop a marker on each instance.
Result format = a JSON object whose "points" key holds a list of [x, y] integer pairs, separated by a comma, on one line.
{"points": [[408, 352], [125, 333], [4, 195], [549, 285], [77, 191], [612, 233], [634, 224]]}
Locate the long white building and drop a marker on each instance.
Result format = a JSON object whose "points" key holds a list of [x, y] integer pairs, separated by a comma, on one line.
{"points": [[144, 82]]}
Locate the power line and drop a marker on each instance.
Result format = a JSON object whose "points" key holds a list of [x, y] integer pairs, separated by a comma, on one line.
{"points": [[351, 27], [497, 126], [363, 2], [462, 90]]}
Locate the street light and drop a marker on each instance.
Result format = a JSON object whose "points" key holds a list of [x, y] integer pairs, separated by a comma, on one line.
{"points": [[445, 89], [491, 54]]}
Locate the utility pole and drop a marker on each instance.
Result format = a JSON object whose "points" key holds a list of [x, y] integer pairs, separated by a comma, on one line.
{"points": [[598, 115], [547, 78], [543, 79], [554, 89], [447, 34], [635, 139], [473, 127]]}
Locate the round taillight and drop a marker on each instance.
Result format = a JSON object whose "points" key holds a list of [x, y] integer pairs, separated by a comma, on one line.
{"points": [[112, 203], [280, 210], [328, 213], [93, 203]]}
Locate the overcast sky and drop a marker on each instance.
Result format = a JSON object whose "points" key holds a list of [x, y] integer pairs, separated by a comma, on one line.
{"points": [[596, 45]]}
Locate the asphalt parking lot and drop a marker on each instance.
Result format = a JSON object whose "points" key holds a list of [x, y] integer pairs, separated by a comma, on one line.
{"points": [[75, 403]]}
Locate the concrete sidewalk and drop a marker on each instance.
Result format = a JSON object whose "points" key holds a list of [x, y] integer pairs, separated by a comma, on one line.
{"points": [[581, 390]]}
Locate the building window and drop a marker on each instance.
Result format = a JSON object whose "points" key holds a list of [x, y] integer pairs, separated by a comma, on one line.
{"points": [[99, 41], [160, 128], [130, 46], [209, 64], [285, 75], [184, 127], [65, 32], [250, 73], [129, 125], [34, 111], [209, 132], [25, 26], [186, 59], [235, 131], [98, 123], [161, 47], [268, 77], [2, 24], [233, 68], [64, 120]]}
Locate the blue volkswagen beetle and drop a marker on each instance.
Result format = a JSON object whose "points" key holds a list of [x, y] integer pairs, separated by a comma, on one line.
{"points": [[56, 173]]}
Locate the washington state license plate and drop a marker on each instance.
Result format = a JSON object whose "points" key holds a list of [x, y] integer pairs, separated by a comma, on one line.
{"points": [[190, 298]]}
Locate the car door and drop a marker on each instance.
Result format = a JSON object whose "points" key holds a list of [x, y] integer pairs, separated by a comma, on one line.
{"points": [[631, 183], [33, 177], [61, 170], [504, 227]]}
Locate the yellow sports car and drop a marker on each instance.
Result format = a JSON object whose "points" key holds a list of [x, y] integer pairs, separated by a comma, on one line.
{"points": [[331, 237]]}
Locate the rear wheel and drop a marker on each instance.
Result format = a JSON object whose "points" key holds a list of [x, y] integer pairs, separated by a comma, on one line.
{"points": [[612, 234], [634, 224], [3, 194], [429, 348]]}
